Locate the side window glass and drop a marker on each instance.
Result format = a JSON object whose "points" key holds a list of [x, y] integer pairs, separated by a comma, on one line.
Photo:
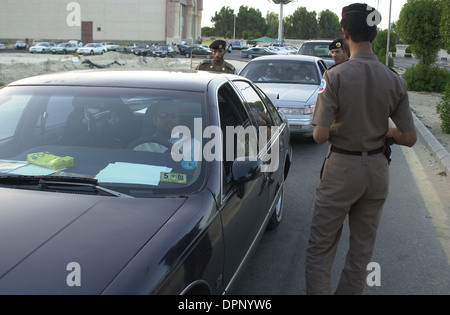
{"points": [[322, 67], [258, 112]]}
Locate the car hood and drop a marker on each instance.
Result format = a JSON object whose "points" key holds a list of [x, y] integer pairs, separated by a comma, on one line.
{"points": [[42, 233], [289, 94]]}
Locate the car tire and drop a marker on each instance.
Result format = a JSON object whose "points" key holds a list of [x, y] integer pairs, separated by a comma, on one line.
{"points": [[277, 214], [188, 55], [250, 56], [92, 52]]}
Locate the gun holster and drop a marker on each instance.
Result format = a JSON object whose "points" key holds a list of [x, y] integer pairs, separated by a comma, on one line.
{"points": [[387, 148]]}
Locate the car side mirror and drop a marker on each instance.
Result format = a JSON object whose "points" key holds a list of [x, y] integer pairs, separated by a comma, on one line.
{"points": [[244, 170]]}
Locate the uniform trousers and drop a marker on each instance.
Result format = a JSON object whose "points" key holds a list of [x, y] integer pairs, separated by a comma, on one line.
{"points": [[356, 186]]}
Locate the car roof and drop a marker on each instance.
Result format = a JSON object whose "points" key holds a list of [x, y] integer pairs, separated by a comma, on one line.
{"points": [[286, 58], [318, 41], [190, 80]]}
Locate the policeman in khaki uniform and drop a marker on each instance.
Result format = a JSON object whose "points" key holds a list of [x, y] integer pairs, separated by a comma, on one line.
{"points": [[338, 51], [217, 63], [352, 113]]}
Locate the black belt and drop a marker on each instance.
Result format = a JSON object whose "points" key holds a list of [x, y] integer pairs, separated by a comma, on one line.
{"points": [[337, 150]]}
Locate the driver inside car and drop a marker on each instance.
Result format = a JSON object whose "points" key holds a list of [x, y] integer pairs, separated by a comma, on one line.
{"points": [[164, 116]]}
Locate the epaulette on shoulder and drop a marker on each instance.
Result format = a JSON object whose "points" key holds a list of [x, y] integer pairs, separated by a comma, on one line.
{"points": [[337, 64], [392, 69]]}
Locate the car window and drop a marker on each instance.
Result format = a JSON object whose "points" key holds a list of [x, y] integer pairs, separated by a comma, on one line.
{"points": [[113, 135], [322, 66], [13, 107], [258, 112], [315, 49], [282, 71]]}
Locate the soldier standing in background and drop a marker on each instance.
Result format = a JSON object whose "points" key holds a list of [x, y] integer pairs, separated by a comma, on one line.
{"points": [[217, 63]]}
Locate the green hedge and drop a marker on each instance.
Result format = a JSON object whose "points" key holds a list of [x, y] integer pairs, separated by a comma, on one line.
{"points": [[443, 109], [427, 78]]}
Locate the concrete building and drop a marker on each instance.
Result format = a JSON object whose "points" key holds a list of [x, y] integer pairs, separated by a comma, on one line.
{"points": [[101, 20]]}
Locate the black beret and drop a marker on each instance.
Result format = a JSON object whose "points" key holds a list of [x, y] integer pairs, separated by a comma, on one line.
{"points": [[372, 16], [218, 44], [357, 7], [337, 43]]}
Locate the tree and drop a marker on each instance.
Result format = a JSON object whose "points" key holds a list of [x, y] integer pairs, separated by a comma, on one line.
{"points": [[302, 24], [223, 21], [250, 20], [273, 22], [329, 26], [419, 26], [379, 46], [445, 24]]}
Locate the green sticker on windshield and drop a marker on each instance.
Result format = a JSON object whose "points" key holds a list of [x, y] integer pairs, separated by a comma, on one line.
{"points": [[173, 178]]}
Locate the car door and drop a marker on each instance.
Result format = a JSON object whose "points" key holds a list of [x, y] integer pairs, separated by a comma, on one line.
{"points": [[242, 216]]}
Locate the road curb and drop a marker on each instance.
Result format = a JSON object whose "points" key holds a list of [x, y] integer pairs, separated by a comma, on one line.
{"points": [[430, 141]]}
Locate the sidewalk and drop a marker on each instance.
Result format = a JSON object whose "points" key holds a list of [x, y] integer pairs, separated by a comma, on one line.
{"points": [[439, 151]]}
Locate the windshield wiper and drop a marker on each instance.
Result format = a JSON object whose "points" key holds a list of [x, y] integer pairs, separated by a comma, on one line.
{"points": [[73, 184]]}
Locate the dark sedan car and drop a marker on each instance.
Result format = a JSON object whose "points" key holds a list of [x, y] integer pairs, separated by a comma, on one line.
{"points": [[197, 51], [257, 52], [136, 182], [141, 50], [164, 51]]}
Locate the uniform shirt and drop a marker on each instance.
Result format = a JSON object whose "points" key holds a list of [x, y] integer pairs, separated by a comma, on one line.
{"points": [[356, 99], [208, 65]]}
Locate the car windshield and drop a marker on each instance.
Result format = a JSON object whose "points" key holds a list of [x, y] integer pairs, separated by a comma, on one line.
{"points": [[316, 49], [113, 135], [282, 71]]}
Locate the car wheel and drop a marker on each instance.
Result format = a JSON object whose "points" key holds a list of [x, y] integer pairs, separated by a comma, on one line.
{"points": [[187, 55], [275, 219], [250, 56], [92, 52]]}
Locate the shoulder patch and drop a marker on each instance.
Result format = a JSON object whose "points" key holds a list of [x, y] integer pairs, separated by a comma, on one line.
{"points": [[322, 86]]}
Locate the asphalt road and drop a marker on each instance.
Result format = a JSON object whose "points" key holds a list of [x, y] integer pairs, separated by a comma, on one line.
{"points": [[413, 243]]}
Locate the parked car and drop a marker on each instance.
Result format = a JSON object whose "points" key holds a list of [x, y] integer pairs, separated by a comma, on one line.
{"points": [[92, 49], [42, 47], [36, 41], [64, 48], [2, 46], [87, 210], [182, 49], [129, 47], [317, 48], [111, 46], [164, 51], [238, 45], [20, 44], [197, 51], [293, 86], [141, 50], [256, 52]]}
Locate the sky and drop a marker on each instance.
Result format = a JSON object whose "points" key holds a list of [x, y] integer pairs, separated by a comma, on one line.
{"points": [[210, 7]]}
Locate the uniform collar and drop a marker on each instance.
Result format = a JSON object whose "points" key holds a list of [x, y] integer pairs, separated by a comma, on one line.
{"points": [[367, 55]]}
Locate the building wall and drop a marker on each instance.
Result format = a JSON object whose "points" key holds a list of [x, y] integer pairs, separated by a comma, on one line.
{"points": [[113, 20]]}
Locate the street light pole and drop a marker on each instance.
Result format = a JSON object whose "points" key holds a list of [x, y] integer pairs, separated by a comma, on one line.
{"points": [[280, 28], [389, 35], [234, 29]]}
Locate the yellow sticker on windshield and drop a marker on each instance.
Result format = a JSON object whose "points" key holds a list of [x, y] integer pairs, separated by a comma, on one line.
{"points": [[173, 178]]}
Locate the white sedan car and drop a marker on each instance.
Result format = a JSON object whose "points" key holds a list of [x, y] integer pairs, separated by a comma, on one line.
{"points": [[42, 48], [92, 49], [292, 83]]}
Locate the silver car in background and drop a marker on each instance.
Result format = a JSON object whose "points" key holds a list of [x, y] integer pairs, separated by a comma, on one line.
{"points": [[292, 83]]}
